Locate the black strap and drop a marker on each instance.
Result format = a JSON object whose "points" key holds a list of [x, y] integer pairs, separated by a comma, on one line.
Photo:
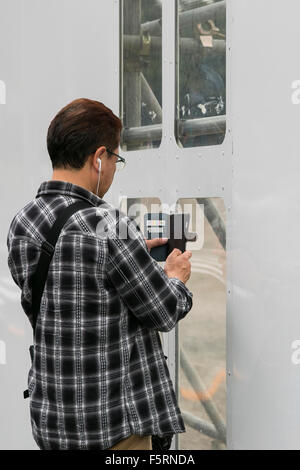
{"points": [[48, 247], [40, 275]]}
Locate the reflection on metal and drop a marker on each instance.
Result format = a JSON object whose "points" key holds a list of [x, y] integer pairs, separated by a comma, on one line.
{"points": [[202, 268], [217, 428], [140, 56], [201, 74], [214, 219], [141, 41], [208, 403], [192, 128]]}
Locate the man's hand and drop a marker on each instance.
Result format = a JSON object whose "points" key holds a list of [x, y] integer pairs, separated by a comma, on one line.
{"points": [[178, 265], [156, 242]]}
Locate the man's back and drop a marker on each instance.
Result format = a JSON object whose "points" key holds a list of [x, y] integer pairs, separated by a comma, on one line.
{"points": [[99, 373]]}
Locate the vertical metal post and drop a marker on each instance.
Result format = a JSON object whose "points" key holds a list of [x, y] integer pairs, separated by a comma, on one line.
{"points": [[177, 74], [132, 70]]}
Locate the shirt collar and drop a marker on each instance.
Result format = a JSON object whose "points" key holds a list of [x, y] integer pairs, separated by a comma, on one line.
{"points": [[53, 187]]}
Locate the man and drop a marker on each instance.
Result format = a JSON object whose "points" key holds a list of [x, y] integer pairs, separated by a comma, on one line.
{"points": [[99, 378]]}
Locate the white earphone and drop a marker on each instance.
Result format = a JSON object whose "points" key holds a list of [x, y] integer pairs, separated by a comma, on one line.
{"points": [[99, 161]]}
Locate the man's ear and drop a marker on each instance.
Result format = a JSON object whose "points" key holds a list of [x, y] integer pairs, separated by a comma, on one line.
{"points": [[98, 154]]}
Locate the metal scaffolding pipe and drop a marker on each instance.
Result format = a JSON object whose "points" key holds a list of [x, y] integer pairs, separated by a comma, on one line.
{"points": [[214, 220], [132, 76], [190, 128], [138, 135], [149, 97], [153, 27], [192, 46], [188, 20], [133, 46], [191, 4], [199, 425], [200, 388], [202, 126]]}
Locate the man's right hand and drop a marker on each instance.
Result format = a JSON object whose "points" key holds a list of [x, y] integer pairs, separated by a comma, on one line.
{"points": [[178, 265]]}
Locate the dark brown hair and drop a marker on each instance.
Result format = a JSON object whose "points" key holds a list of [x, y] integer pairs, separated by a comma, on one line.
{"points": [[78, 130]]}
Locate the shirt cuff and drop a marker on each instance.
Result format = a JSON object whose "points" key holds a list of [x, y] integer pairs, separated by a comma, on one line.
{"points": [[182, 285]]}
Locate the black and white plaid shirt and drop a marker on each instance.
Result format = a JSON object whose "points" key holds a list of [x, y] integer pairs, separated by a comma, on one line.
{"points": [[99, 372]]}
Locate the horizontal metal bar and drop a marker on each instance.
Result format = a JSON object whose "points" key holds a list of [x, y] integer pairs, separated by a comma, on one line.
{"points": [[133, 46], [191, 4], [188, 20], [199, 425], [137, 135], [202, 126], [153, 27], [192, 46], [191, 128]]}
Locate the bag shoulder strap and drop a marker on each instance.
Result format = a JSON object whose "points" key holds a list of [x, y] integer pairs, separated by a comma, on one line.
{"points": [[48, 247]]}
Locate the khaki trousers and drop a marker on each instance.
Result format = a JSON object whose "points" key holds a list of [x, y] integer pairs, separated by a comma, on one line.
{"points": [[134, 442]]}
